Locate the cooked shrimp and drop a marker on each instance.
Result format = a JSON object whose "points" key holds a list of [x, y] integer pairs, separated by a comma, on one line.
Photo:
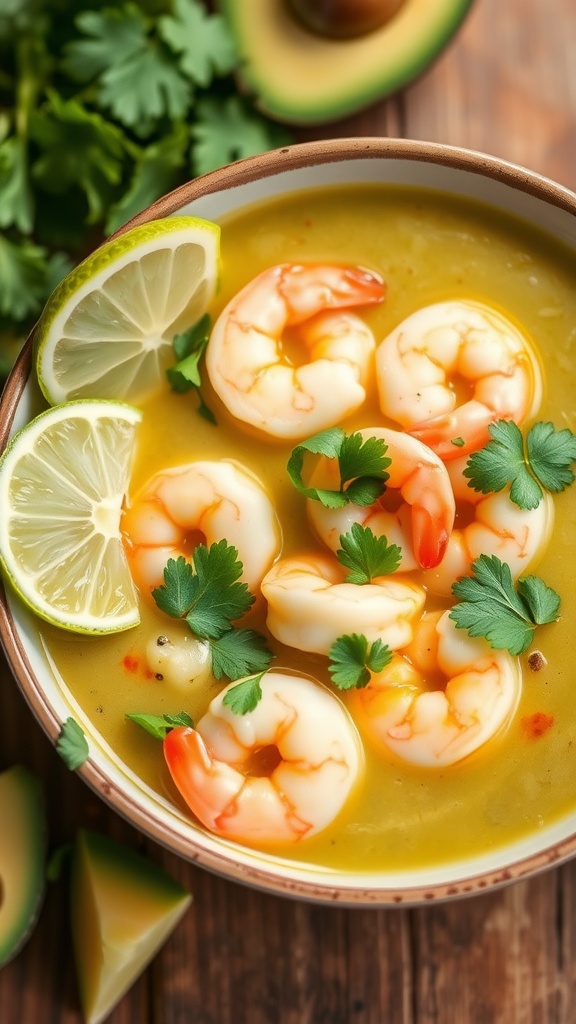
{"points": [[421, 525], [441, 698], [310, 605], [426, 362], [489, 524], [249, 356], [200, 502], [279, 773]]}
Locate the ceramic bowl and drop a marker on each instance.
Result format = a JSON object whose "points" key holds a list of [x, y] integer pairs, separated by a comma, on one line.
{"points": [[534, 199]]}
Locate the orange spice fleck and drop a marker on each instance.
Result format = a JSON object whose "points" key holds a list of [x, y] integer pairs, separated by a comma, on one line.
{"points": [[130, 663], [537, 724]]}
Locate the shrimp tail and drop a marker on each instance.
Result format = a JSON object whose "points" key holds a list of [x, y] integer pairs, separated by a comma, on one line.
{"points": [[309, 289], [459, 433], [429, 537]]}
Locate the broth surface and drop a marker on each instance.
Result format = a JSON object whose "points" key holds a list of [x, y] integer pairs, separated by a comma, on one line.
{"points": [[428, 248]]}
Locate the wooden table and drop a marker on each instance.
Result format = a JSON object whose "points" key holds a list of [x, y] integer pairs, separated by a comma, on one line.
{"points": [[506, 85]]}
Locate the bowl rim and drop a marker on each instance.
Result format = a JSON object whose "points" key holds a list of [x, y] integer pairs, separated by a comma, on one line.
{"points": [[287, 158]]}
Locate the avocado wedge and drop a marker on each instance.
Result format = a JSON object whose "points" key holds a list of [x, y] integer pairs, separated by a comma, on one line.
{"points": [[302, 78], [22, 858], [123, 908]]}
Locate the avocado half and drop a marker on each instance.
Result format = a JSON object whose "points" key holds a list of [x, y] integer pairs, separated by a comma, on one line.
{"points": [[22, 857], [302, 78]]}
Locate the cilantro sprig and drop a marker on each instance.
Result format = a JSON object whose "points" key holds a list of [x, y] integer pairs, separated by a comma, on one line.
{"points": [[352, 660], [105, 107], [208, 594], [366, 555], [245, 695], [159, 726], [362, 465], [185, 374], [72, 744], [492, 606], [542, 461]]}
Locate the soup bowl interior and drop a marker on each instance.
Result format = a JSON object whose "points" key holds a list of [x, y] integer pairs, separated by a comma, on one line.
{"points": [[540, 203]]}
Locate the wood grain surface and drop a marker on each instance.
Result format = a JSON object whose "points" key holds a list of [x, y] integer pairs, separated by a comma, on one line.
{"points": [[505, 85]]}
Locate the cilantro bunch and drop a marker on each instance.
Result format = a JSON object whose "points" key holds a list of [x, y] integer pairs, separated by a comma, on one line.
{"points": [[104, 107]]}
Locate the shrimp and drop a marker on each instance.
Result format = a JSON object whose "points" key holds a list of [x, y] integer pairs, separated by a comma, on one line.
{"points": [[421, 525], [310, 605], [249, 357], [432, 355], [200, 501], [491, 525], [441, 698], [277, 774]]}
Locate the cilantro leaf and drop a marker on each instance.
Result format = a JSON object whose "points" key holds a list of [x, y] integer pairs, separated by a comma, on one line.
{"points": [[145, 88], [362, 465], [244, 696], [176, 595], [491, 607], [207, 592], [159, 727], [228, 129], [72, 745], [367, 555], [550, 454], [79, 148], [16, 198], [23, 278], [135, 75], [363, 457], [202, 39], [185, 375], [106, 37], [353, 659], [238, 653], [542, 461]]}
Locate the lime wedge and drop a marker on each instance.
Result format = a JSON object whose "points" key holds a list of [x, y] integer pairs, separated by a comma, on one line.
{"points": [[107, 329], [62, 482]]}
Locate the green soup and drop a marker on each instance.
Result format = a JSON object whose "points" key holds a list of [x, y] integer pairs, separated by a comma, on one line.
{"points": [[428, 248]]}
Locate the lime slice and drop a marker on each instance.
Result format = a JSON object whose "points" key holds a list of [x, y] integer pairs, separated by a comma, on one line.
{"points": [[107, 329], [62, 481]]}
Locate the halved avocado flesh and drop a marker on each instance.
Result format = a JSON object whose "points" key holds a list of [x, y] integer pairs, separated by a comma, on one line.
{"points": [[22, 857], [123, 908], [301, 78]]}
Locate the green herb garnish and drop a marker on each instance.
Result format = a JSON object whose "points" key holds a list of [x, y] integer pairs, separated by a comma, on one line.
{"points": [[72, 745], [207, 594], [367, 555], [362, 464], [244, 697], [353, 659], [105, 108], [541, 462], [185, 374], [159, 727], [493, 607]]}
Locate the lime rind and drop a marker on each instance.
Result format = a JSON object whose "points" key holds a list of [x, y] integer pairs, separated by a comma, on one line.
{"points": [[107, 329], [62, 483]]}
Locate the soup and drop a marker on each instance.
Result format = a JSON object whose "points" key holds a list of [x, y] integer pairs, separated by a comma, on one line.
{"points": [[429, 248]]}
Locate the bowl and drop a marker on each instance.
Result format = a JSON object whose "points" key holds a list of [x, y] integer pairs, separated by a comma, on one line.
{"points": [[537, 205]]}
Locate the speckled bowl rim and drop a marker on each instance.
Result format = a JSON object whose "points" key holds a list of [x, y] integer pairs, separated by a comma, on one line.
{"points": [[259, 870]]}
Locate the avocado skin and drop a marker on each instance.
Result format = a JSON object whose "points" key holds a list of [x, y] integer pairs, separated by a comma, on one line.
{"points": [[22, 858], [300, 78]]}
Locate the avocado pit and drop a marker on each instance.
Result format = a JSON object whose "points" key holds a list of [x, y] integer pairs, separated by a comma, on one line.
{"points": [[344, 19]]}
